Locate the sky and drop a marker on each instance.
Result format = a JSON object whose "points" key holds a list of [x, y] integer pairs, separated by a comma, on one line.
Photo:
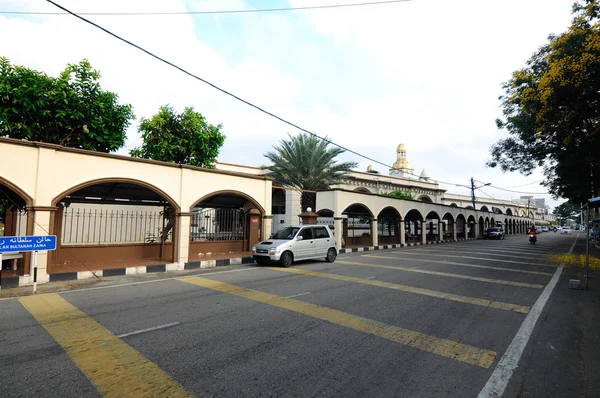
{"points": [[426, 73]]}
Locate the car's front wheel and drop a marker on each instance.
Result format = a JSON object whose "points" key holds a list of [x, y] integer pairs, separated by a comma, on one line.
{"points": [[287, 259], [331, 255]]}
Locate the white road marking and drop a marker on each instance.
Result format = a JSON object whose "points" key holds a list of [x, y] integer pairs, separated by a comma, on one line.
{"points": [[499, 379], [167, 325], [298, 295], [135, 283], [371, 277]]}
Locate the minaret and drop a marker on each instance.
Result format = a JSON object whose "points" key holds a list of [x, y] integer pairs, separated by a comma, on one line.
{"points": [[401, 166]]}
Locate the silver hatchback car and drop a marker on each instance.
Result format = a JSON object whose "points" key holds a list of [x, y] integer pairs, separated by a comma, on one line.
{"points": [[298, 242]]}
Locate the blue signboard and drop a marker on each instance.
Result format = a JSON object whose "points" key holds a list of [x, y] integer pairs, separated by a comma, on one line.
{"points": [[27, 243]]}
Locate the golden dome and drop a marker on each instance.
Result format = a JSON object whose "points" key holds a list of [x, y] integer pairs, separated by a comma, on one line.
{"points": [[400, 148], [370, 167]]}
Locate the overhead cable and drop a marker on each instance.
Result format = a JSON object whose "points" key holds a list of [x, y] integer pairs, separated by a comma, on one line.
{"points": [[244, 11]]}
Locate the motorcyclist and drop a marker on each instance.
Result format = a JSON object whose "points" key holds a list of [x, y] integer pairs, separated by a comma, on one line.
{"points": [[532, 234]]}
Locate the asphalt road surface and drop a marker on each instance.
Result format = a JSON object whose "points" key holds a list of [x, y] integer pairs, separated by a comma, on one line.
{"points": [[425, 321]]}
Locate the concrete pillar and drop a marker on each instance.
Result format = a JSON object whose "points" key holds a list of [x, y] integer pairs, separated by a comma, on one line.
{"points": [[41, 227], [183, 237], [338, 231], [267, 225], [374, 232], [477, 235], [423, 231], [292, 207], [454, 231], [440, 230], [402, 233]]}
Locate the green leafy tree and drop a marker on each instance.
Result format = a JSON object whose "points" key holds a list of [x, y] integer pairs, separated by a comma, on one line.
{"points": [[70, 110], [184, 138], [552, 113], [399, 194], [566, 209], [307, 163]]}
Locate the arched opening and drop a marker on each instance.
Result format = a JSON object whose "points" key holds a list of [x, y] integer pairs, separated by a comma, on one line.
{"points": [[362, 190], [326, 218], [433, 226], [278, 199], [469, 207], [357, 226], [530, 215], [413, 225], [224, 222], [482, 226], [509, 212], [388, 226], [461, 227], [425, 199], [15, 220], [487, 223], [471, 223], [448, 226], [492, 222], [484, 208], [113, 223], [453, 205]]}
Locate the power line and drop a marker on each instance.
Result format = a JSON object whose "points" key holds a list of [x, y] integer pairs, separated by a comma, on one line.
{"points": [[529, 193], [245, 11], [524, 185], [233, 95]]}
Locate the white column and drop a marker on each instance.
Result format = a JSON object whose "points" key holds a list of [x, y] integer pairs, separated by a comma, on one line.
{"points": [[183, 238], [374, 232], [477, 230], [440, 230], [402, 233], [338, 231], [292, 207], [454, 230], [267, 225], [423, 231], [41, 227]]}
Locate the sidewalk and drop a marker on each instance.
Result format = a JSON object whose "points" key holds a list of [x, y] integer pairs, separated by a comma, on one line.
{"points": [[562, 358]]}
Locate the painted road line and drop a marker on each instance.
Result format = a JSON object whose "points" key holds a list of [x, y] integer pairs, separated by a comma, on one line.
{"points": [[498, 381], [113, 367], [479, 258], [489, 253], [152, 329], [459, 276], [298, 295], [521, 271], [410, 289], [435, 345]]}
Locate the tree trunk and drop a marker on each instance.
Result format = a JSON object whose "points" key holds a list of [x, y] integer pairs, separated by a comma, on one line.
{"points": [[308, 199]]}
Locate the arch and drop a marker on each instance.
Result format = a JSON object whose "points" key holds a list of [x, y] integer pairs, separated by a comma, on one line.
{"points": [[482, 226], [325, 213], [18, 191], [484, 208], [388, 226], [362, 190], [469, 207], [58, 198], [492, 222], [425, 199], [448, 226], [471, 223], [228, 192], [523, 213], [509, 212], [431, 215], [530, 214], [357, 226], [453, 204], [449, 216]]}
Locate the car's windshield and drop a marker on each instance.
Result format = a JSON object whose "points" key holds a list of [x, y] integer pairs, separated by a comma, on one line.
{"points": [[286, 233], [493, 229]]}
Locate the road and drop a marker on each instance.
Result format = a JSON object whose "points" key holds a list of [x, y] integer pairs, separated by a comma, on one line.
{"points": [[425, 321]]}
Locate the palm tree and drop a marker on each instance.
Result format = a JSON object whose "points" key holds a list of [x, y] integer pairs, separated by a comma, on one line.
{"points": [[306, 162]]}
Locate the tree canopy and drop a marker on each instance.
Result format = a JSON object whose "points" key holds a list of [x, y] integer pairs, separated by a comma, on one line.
{"points": [[307, 163], [566, 209], [399, 194], [551, 111], [70, 110], [181, 138]]}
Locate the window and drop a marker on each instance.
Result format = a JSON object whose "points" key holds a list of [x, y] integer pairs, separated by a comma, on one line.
{"points": [[306, 233], [320, 233]]}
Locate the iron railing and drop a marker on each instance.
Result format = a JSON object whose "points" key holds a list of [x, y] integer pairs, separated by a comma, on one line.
{"points": [[217, 225], [100, 226]]}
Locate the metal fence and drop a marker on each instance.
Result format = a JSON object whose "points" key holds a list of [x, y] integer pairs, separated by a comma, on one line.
{"points": [[217, 225], [89, 226], [15, 223]]}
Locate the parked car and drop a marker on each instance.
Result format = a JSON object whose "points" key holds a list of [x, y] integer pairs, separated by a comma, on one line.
{"points": [[544, 229], [299, 242], [565, 230], [494, 233]]}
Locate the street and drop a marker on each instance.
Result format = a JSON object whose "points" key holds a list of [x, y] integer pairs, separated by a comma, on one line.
{"points": [[423, 321]]}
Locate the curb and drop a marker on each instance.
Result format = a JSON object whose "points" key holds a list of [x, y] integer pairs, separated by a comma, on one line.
{"points": [[26, 280]]}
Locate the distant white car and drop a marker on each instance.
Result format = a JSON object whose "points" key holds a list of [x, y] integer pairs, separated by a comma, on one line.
{"points": [[565, 230], [544, 229]]}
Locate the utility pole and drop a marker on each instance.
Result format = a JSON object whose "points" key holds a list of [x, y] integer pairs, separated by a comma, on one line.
{"points": [[473, 188]]}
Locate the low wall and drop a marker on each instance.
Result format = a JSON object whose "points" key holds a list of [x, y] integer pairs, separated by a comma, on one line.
{"points": [[198, 248], [388, 239], [89, 254]]}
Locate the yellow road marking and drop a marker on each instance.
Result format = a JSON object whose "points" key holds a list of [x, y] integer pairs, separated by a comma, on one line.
{"points": [[113, 367], [461, 264], [424, 271], [439, 346], [410, 289], [489, 252], [481, 258]]}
